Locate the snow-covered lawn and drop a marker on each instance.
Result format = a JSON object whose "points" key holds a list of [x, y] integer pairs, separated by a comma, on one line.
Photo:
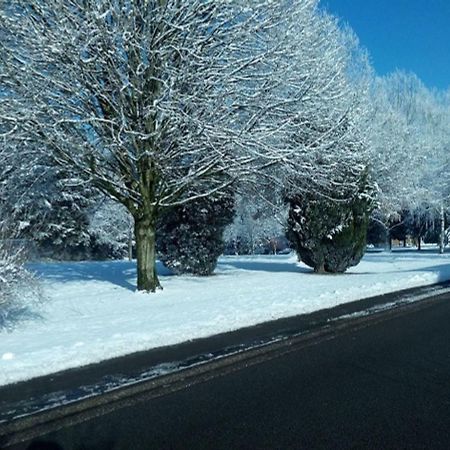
{"points": [[93, 313]]}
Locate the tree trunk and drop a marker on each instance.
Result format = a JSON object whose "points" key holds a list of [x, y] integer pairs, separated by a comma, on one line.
{"points": [[145, 235], [130, 244], [442, 233], [320, 268]]}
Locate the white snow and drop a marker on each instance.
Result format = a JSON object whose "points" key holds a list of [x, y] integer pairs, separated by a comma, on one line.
{"points": [[7, 356], [93, 313]]}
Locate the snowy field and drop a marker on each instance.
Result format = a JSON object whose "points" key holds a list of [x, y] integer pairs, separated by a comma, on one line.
{"points": [[93, 313]]}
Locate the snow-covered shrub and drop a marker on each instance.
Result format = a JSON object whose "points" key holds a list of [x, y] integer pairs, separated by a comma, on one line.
{"points": [[50, 207], [190, 236], [111, 230], [19, 289], [258, 225], [329, 235]]}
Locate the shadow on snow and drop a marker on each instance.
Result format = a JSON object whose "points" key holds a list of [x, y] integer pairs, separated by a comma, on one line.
{"points": [[123, 273], [264, 266], [119, 273]]}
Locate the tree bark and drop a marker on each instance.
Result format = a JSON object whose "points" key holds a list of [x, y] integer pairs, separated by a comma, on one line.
{"points": [[442, 233], [320, 269], [130, 244], [145, 235]]}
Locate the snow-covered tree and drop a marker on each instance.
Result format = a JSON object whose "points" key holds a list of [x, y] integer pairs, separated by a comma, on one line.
{"points": [[18, 288], [326, 135], [409, 141], [44, 205], [57, 216], [329, 131], [329, 208], [389, 147], [160, 102]]}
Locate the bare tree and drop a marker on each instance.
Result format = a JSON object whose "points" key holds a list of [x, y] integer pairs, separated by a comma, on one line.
{"points": [[154, 102], [159, 102], [328, 134]]}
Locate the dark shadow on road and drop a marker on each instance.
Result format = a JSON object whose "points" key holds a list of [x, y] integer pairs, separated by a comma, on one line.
{"points": [[44, 445]]}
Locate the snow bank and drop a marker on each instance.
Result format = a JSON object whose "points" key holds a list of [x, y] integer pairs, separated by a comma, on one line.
{"points": [[93, 312]]}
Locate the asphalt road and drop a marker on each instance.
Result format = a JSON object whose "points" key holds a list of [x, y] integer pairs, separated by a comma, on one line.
{"points": [[386, 386]]}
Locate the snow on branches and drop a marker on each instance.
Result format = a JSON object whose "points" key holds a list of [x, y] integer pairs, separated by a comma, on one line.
{"points": [[409, 147], [160, 102], [147, 98]]}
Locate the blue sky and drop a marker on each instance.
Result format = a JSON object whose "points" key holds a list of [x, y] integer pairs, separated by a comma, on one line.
{"points": [[413, 35]]}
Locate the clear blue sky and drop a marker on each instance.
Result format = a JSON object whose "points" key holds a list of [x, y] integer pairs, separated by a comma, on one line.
{"points": [[413, 35]]}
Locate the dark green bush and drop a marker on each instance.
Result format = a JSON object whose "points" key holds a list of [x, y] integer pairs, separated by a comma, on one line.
{"points": [[190, 236], [329, 234]]}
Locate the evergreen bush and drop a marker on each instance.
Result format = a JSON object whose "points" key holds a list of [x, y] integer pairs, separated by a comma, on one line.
{"points": [[20, 291], [190, 236], [329, 234]]}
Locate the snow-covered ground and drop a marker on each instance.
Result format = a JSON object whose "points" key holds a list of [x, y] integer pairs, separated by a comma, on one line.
{"points": [[93, 312]]}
